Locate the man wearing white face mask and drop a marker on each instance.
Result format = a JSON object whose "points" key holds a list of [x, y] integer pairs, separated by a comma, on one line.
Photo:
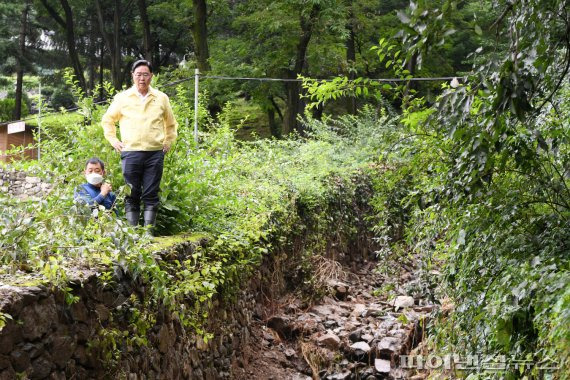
{"points": [[95, 192]]}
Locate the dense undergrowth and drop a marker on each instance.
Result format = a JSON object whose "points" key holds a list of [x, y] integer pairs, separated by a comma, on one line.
{"points": [[247, 198], [490, 224]]}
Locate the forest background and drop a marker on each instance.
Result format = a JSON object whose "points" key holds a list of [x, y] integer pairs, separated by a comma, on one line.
{"points": [[474, 173]]}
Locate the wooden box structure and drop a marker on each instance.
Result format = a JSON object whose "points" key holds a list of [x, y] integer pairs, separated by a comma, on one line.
{"points": [[16, 139]]}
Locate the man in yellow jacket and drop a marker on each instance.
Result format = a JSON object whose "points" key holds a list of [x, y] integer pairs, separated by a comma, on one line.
{"points": [[148, 129]]}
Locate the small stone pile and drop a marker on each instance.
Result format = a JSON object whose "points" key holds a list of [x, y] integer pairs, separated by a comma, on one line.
{"points": [[22, 185], [351, 334]]}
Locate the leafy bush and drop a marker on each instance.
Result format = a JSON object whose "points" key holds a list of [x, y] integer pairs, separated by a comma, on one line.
{"points": [[500, 243], [7, 108], [61, 98]]}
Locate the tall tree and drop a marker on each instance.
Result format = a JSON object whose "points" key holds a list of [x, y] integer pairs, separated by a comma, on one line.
{"points": [[200, 34], [307, 23], [17, 112], [147, 36], [282, 39], [113, 40], [351, 55], [67, 24]]}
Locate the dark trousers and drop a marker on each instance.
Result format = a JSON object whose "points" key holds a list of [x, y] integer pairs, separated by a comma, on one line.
{"points": [[142, 172]]}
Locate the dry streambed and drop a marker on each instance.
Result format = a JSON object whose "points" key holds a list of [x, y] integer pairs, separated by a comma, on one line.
{"points": [[355, 332]]}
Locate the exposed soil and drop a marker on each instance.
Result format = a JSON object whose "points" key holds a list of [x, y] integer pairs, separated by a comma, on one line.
{"points": [[357, 331]]}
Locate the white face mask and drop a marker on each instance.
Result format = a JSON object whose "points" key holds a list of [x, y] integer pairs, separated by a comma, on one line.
{"points": [[94, 178]]}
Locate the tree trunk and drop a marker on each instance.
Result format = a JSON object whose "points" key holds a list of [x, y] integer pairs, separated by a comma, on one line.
{"points": [[350, 60], [117, 58], [101, 71], [147, 37], [200, 34], [112, 42], [68, 26], [411, 66], [17, 112], [71, 46], [294, 104], [92, 55], [273, 127]]}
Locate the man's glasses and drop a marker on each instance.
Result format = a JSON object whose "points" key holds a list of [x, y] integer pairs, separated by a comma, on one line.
{"points": [[142, 75]]}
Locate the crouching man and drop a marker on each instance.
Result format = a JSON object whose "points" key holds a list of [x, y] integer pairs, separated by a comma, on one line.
{"points": [[95, 191]]}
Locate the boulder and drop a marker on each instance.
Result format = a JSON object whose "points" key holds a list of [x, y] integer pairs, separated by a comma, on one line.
{"points": [[382, 366], [329, 340]]}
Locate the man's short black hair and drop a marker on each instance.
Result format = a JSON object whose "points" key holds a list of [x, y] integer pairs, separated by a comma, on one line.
{"points": [[95, 160], [141, 62]]}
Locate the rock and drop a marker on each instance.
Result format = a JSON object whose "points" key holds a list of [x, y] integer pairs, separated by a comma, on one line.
{"points": [[329, 340], [8, 374], [339, 376], [359, 308], [402, 302], [57, 376], [281, 324], [62, 349], [323, 311], [382, 366], [20, 360], [268, 336], [399, 333], [388, 347], [79, 312], [4, 362], [32, 180], [38, 319], [102, 312], [367, 337], [355, 335], [290, 353], [330, 323], [361, 346], [341, 292], [340, 289], [374, 311], [34, 350], [11, 334], [41, 368], [165, 340]]}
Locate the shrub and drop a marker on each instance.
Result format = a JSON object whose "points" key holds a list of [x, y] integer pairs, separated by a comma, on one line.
{"points": [[7, 108], [61, 98]]}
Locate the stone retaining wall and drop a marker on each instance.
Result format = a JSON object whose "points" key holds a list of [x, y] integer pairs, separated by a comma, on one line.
{"points": [[48, 338], [21, 184]]}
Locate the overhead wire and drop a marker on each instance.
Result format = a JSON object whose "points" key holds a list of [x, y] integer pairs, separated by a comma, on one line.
{"points": [[222, 77]]}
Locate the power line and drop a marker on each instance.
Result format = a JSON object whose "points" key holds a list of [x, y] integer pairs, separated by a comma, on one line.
{"points": [[439, 79], [222, 77]]}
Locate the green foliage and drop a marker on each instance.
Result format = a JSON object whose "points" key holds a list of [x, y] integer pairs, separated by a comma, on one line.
{"points": [[7, 107], [478, 186], [61, 98], [249, 198], [3, 318]]}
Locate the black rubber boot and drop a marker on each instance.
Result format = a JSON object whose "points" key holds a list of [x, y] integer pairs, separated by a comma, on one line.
{"points": [[150, 219], [133, 217]]}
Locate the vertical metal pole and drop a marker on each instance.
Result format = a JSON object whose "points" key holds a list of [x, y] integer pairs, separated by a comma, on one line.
{"points": [[196, 76], [40, 121]]}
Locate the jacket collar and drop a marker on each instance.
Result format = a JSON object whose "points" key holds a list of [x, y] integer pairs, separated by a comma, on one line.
{"points": [[134, 92]]}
